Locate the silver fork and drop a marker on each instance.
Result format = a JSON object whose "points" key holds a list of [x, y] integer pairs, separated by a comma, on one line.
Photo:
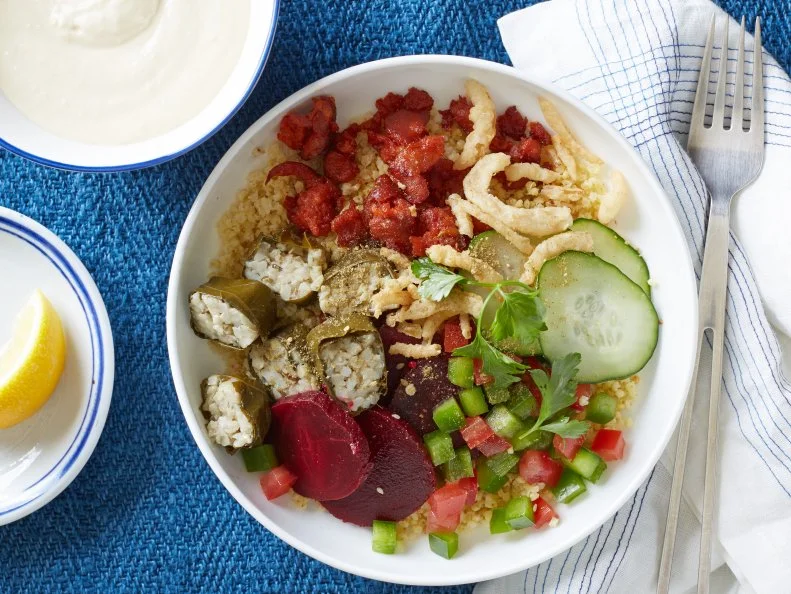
{"points": [[729, 159]]}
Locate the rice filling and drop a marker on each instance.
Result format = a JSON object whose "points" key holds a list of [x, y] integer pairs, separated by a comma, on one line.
{"points": [[354, 366], [283, 366], [282, 268], [228, 424], [215, 319]]}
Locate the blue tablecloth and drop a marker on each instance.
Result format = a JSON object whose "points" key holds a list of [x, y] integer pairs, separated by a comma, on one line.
{"points": [[146, 513]]}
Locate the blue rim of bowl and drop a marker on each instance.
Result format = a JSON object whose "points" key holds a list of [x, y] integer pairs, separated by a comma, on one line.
{"points": [[49, 481], [164, 159]]}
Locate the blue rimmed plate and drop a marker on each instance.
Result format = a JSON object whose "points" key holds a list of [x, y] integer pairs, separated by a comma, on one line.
{"points": [[41, 456]]}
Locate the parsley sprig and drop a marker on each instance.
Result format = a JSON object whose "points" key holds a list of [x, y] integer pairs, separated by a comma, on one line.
{"points": [[520, 317]]}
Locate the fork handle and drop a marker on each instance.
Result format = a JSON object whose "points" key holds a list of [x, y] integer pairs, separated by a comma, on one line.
{"points": [[711, 309]]}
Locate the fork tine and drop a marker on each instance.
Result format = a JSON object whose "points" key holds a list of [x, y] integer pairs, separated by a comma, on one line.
{"points": [[757, 108], [702, 94], [737, 115], [718, 115]]}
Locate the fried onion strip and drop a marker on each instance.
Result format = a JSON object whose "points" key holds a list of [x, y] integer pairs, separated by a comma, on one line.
{"points": [[554, 246], [445, 255], [483, 115]]}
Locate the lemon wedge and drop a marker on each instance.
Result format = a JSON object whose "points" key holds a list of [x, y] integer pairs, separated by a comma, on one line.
{"points": [[31, 362]]}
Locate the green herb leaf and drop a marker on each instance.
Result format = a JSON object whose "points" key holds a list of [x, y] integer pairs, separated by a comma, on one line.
{"points": [[520, 317], [567, 428], [559, 390], [501, 367], [437, 281]]}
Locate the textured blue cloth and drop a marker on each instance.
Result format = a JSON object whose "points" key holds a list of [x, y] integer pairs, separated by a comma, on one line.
{"points": [[146, 513]]}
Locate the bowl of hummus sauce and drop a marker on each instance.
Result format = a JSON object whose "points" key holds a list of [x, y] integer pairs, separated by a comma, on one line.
{"points": [[112, 85]]}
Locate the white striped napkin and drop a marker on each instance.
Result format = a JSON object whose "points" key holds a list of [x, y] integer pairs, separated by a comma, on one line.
{"points": [[636, 63]]}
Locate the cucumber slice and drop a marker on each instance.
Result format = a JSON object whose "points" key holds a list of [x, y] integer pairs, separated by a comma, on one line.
{"points": [[594, 309], [612, 248], [498, 252]]}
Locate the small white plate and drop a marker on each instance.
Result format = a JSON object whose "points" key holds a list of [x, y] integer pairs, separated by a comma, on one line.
{"points": [[42, 455]]}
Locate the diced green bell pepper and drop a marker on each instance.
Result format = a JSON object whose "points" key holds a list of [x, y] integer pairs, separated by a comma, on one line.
{"points": [[473, 402], [502, 463], [260, 458], [444, 544], [448, 416], [498, 525], [569, 487], [587, 464], [384, 537], [460, 372], [460, 466], [537, 440], [440, 447], [487, 480], [519, 513], [503, 422]]}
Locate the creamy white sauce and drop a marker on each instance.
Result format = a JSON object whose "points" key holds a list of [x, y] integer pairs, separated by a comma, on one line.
{"points": [[117, 71]]}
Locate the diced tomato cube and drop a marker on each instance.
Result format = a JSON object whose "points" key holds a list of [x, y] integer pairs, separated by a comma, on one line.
{"points": [[568, 446], [480, 377], [446, 505], [543, 513], [537, 466], [476, 431], [452, 337], [609, 444], [583, 393], [277, 482], [469, 484], [493, 446], [527, 379]]}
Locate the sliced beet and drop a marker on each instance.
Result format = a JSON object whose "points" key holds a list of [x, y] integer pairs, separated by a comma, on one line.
{"points": [[402, 477], [422, 388], [396, 364], [321, 443]]}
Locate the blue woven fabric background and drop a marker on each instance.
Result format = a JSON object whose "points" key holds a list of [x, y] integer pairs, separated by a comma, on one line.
{"points": [[146, 513]]}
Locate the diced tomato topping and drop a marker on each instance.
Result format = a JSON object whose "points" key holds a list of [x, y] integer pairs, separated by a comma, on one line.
{"points": [[537, 466], [405, 126], [310, 134], [277, 482], [543, 513], [527, 150], [480, 377], [583, 392], [458, 113], [418, 100], [446, 505], [350, 227], [389, 215], [609, 444], [527, 379], [500, 144], [452, 337], [512, 123], [540, 133], [568, 446], [469, 484], [493, 446], [475, 432], [339, 167]]}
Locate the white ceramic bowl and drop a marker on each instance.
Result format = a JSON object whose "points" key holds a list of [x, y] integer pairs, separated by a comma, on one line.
{"points": [[21, 136], [647, 220]]}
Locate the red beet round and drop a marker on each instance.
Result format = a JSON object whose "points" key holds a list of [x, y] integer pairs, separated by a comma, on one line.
{"points": [[402, 477], [421, 389], [322, 444]]}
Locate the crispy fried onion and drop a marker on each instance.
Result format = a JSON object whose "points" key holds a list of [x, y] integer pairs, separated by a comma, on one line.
{"points": [[565, 137], [456, 303], [522, 243], [538, 222], [412, 329], [463, 219], [554, 246], [396, 292], [445, 255], [415, 351], [531, 171], [611, 202], [562, 193], [483, 115], [465, 325], [565, 156], [397, 259]]}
